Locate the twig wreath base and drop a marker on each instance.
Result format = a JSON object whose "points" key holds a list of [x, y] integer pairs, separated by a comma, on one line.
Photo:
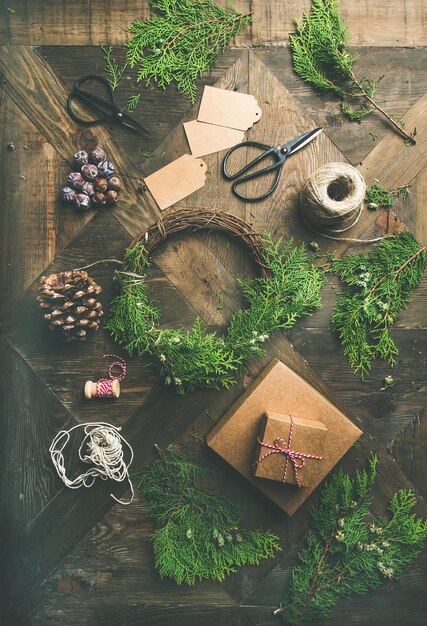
{"points": [[288, 286]]}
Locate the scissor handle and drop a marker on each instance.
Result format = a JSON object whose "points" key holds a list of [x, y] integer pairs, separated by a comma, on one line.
{"points": [[275, 167], [107, 109], [267, 151]]}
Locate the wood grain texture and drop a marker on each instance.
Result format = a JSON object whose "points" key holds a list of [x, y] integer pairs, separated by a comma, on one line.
{"points": [[105, 570], [389, 605], [56, 22], [31, 176], [409, 450], [32, 415], [404, 82], [159, 110], [28, 80], [65, 367]]}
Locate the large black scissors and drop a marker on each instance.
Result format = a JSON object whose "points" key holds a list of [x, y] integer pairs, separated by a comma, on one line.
{"points": [[279, 153], [107, 111]]}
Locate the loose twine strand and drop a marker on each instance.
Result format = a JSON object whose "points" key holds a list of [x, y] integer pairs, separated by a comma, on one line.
{"points": [[104, 386], [103, 446], [331, 201]]}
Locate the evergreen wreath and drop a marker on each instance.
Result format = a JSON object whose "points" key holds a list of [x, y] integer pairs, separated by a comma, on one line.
{"points": [[349, 550], [287, 288], [199, 533]]}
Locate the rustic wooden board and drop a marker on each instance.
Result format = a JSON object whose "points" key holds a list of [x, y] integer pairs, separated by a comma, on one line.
{"points": [[56, 22], [31, 176], [109, 577], [404, 82]]}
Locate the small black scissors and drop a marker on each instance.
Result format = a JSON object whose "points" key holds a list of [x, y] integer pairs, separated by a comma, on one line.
{"points": [[107, 110], [280, 153]]}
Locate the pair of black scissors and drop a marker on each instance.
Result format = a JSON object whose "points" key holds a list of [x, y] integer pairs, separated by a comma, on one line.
{"points": [[107, 111], [279, 153]]}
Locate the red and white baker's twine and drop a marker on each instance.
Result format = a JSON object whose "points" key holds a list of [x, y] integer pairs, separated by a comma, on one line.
{"points": [[104, 386], [280, 446]]}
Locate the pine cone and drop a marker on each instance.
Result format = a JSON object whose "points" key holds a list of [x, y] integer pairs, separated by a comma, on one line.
{"points": [[69, 299]]}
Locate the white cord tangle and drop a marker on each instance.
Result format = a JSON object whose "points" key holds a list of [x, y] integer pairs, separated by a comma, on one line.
{"points": [[102, 445]]}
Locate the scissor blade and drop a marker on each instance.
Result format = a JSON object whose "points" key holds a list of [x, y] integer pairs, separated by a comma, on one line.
{"points": [[133, 124], [299, 142]]}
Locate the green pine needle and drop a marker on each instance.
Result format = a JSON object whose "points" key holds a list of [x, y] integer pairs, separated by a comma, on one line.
{"points": [[377, 288], [199, 359], [181, 41], [321, 57], [199, 533], [348, 549]]}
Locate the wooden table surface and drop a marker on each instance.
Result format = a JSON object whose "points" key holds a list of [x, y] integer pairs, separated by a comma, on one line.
{"points": [[71, 557]]}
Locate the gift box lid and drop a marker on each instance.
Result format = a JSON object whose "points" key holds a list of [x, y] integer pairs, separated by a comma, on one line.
{"points": [[278, 431], [280, 389]]}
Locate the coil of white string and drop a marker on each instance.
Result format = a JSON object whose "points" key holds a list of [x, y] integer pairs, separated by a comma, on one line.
{"points": [[103, 446]]}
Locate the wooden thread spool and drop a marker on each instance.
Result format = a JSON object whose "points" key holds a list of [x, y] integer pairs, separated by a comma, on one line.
{"points": [[92, 390]]}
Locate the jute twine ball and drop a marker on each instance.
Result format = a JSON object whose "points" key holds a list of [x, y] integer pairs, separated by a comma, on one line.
{"points": [[332, 199]]}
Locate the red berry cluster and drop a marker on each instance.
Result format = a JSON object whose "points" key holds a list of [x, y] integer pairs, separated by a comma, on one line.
{"points": [[94, 184]]}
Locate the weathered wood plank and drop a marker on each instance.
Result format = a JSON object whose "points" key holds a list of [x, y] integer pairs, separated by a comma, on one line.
{"points": [[409, 450], [283, 118], [274, 21], [66, 611], [400, 164], [34, 224], [160, 111], [164, 417], [31, 416], [390, 604], [404, 82], [65, 367], [41, 96], [54, 22]]}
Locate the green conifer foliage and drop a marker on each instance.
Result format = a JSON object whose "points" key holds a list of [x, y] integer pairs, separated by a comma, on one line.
{"points": [[181, 41], [385, 197], [348, 549], [321, 57], [199, 534], [200, 359], [377, 287]]}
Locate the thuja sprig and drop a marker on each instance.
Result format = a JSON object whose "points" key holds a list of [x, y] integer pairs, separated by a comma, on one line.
{"points": [[133, 102], [377, 287], [321, 57], [199, 359], [112, 68], [199, 533], [349, 550], [181, 41], [376, 196]]}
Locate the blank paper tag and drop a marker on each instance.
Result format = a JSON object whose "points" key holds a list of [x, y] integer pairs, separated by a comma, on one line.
{"points": [[177, 180], [228, 108], [207, 138]]}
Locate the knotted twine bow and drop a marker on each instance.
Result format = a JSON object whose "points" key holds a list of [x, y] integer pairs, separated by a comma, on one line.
{"points": [[280, 446]]}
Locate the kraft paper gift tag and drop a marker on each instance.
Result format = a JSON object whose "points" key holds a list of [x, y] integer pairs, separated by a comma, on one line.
{"points": [[208, 138], [228, 108], [177, 180]]}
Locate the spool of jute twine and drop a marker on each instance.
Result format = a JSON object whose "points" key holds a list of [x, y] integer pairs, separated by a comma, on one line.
{"points": [[331, 201]]}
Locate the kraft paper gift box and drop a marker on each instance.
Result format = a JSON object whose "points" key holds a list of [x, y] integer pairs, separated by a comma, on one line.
{"points": [[289, 449], [279, 389]]}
